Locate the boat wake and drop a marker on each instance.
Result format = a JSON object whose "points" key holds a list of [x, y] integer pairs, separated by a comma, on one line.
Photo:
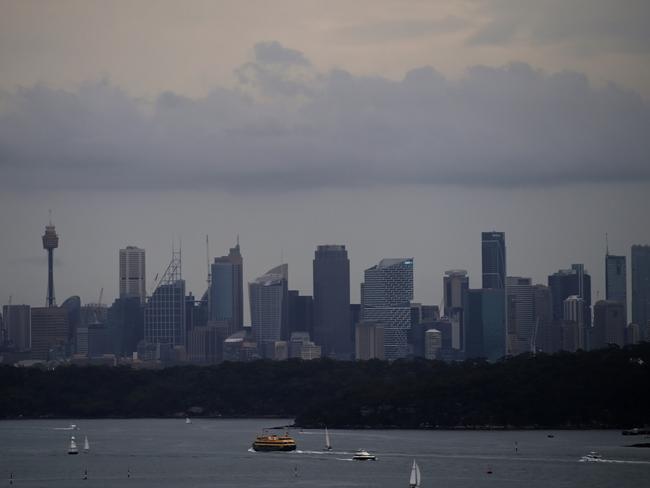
{"points": [[585, 459]]}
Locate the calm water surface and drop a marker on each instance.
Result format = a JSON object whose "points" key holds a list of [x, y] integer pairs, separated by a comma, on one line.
{"points": [[208, 453]]}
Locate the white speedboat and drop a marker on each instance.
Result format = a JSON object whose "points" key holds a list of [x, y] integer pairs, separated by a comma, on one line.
{"points": [[73, 447], [592, 457], [363, 455]]}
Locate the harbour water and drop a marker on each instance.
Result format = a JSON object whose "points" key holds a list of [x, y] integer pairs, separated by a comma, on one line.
{"points": [[215, 452]]}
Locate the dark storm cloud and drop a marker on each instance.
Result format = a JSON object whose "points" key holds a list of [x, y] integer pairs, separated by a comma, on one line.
{"points": [[290, 127], [588, 25]]}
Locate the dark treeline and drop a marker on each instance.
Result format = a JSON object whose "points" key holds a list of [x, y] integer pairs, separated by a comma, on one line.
{"points": [[604, 388]]}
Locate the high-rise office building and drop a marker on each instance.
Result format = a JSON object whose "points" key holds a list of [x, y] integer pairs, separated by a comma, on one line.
{"points": [[18, 327], [369, 341], [521, 321], [133, 276], [493, 253], [455, 285], [615, 279], [485, 324], [641, 289], [269, 306], [332, 325], [227, 290], [569, 282], [126, 322], [387, 294], [164, 313], [609, 323], [547, 337], [573, 323], [432, 344], [49, 332], [50, 243], [301, 313]]}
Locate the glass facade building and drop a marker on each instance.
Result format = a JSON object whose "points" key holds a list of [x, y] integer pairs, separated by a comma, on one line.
{"points": [[332, 325], [387, 293], [269, 305]]}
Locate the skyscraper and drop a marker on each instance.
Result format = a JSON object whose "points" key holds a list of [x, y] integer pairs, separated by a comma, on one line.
{"points": [[615, 279], [50, 243], [547, 337], [227, 290], [18, 327], [301, 313], [485, 328], [164, 313], [609, 323], [521, 322], [133, 276], [573, 323], [49, 332], [387, 293], [493, 253], [369, 341], [456, 284], [641, 289], [269, 305], [332, 325], [568, 282]]}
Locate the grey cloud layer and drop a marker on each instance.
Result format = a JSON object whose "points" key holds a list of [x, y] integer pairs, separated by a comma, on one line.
{"points": [[288, 127], [589, 25]]}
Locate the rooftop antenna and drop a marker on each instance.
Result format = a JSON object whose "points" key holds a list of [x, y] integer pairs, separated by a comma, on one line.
{"points": [[50, 214], [606, 245], [281, 256], [237, 241]]}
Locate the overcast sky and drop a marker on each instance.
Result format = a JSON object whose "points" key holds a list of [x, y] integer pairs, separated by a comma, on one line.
{"points": [[401, 129]]}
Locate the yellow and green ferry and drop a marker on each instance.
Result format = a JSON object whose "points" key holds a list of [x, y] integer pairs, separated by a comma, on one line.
{"points": [[272, 442]]}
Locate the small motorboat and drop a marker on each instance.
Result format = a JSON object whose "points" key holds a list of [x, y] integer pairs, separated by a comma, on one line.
{"points": [[363, 455], [73, 447], [592, 457]]}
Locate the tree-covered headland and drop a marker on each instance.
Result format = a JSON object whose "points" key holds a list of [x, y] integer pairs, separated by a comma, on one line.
{"points": [[603, 388]]}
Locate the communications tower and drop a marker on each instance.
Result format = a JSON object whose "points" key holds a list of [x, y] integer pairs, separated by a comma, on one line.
{"points": [[50, 243]]}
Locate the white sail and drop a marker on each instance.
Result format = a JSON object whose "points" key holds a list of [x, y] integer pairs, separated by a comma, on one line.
{"points": [[328, 444], [187, 420], [414, 482], [86, 444]]}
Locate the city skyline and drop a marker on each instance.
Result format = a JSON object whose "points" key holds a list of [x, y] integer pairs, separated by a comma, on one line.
{"points": [[598, 291]]}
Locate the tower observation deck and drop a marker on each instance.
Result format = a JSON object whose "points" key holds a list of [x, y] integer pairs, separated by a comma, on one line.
{"points": [[50, 243]]}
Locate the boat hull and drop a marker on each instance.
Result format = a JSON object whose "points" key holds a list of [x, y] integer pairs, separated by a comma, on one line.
{"points": [[269, 448]]}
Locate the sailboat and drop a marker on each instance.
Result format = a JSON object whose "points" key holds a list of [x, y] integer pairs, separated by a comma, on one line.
{"points": [[86, 444], [328, 444], [414, 482], [73, 446], [187, 420]]}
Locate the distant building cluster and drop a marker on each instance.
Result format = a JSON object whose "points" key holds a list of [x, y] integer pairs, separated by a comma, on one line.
{"points": [[508, 315]]}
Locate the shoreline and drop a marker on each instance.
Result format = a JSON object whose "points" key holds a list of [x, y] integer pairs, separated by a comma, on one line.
{"points": [[331, 427]]}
